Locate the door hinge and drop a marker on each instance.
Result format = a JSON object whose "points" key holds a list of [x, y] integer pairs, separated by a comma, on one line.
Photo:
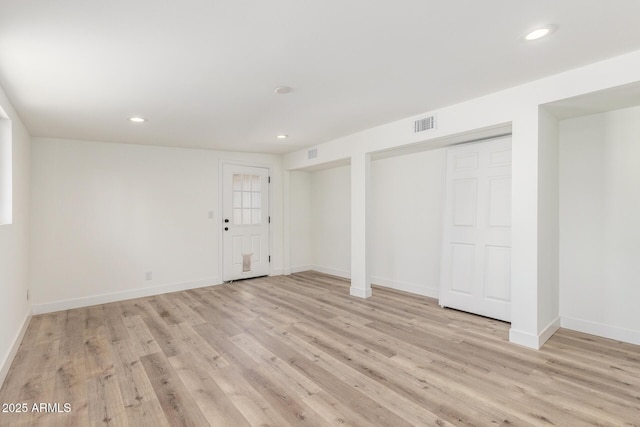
{"points": [[269, 258], [269, 220], [269, 180]]}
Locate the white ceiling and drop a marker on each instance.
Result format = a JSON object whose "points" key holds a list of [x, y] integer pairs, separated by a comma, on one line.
{"points": [[203, 71]]}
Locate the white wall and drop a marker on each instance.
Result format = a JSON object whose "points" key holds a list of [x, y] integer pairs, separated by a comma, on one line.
{"points": [[599, 233], [14, 245], [330, 224], [548, 228], [6, 169], [519, 107], [511, 105], [104, 214], [406, 224], [300, 240]]}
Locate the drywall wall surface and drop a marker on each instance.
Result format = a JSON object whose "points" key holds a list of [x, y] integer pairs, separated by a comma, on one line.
{"points": [[406, 221], [106, 215], [548, 222], [483, 112], [300, 221], [14, 241], [330, 220], [599, 235], [517, 106]]}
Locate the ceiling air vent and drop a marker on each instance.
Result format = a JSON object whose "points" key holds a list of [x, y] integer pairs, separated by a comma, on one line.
{"points": [[421, 125], [312, 154]]}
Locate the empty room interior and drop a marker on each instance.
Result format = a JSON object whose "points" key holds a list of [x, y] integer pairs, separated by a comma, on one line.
{"points": [[412, 213]]}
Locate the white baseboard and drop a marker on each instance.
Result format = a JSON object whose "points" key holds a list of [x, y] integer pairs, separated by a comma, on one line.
{"points": [[51, 307], [301, 268], [406, 286], [548, 332], [524, 339], [15, 345], [360, 293], [331, 271], [617, 333], [376, 280], [534, 341]]}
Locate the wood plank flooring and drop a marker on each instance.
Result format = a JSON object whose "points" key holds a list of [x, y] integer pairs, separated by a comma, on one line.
{"points": [[298, 350]]}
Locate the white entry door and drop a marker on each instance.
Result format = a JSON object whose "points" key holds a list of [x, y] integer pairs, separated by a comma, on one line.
{"points": [[476, 261], [245, 222]]}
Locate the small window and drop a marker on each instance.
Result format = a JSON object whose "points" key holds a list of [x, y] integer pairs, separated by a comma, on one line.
{"points": [[247, 197], [6, 196]]}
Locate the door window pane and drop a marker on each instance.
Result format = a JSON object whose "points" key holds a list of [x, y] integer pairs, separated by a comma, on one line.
{"points": [[255, 200], [237, 182], [256, 216], [247, 199], [255, 183], [246, 182], [237, 199]]}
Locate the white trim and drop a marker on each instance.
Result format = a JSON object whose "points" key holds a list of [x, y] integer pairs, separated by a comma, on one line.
{"points": [[534, 341], [414, 288], [301, 268], [548, 332], [602, 330], [331, 271], [121, 296], [360, 293], [8, 360], [524, 339]]}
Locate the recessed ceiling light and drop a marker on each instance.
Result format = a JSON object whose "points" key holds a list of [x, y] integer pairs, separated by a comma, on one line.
{"points": [[281, 136], [281, 90], [137, 119], [538, 33]]}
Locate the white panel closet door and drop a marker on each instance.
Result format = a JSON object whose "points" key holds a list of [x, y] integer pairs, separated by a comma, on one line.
{"points": [[476, 257], [245, 227]]}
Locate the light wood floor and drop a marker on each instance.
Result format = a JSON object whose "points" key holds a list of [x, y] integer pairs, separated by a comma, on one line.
{"points": [[298, 350]]}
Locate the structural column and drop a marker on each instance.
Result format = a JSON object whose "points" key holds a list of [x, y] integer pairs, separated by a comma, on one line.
{"points": [[286, 221], [524, 230], [360, 188], [534, 238]]}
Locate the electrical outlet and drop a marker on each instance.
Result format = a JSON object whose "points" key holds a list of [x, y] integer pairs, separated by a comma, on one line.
{"points": [[148, 275]]}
